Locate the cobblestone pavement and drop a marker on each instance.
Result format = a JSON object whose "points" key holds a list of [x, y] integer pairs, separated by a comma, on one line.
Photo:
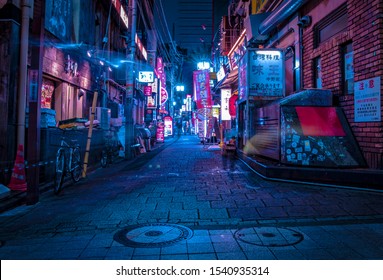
{"points": [[185, 200]]}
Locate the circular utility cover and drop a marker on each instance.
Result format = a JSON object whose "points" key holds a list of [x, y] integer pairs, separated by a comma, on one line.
{"points": [[269, 236], [152, 235]]}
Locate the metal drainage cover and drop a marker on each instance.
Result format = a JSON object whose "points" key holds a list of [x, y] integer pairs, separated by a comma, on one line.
{"points": [[152, 235], [269, 236]]}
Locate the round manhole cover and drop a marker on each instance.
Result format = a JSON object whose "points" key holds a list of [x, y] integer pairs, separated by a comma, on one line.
{"points": [[152, 235], [269, 236]]}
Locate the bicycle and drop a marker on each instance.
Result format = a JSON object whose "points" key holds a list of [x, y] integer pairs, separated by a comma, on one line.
{"points": [[110, 149], [68, 160]]}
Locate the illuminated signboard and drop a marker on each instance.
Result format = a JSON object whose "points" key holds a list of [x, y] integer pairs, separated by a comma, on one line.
{"points": [[141, 47], [265, 72], [146, 76], [121, 12], [168, 122], [221, 73], [202, 94], [225, 97]]}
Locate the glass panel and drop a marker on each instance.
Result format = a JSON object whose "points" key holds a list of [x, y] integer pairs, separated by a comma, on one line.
{"points": [[333, 28], [47, 90], [317, 73]]}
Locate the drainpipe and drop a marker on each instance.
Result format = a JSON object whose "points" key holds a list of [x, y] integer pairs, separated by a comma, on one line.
{"points": [[23, 70], [300, 57], [34, 124], [304, 22], [128, 104]]}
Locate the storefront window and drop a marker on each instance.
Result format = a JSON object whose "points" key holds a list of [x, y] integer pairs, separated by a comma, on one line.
{"points": [[348, 69], [47, 90], [317, 73]]}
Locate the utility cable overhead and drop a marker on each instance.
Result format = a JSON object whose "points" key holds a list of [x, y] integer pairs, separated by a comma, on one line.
{"points": [[165, 31]]}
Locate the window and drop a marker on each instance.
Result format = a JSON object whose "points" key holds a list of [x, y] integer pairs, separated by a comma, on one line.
{"points": [[348, 69], [47, 91], [317, 73], [331, 25]]}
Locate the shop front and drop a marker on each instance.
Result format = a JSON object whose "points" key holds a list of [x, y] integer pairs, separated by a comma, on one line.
{"points": [[67, 93], [260, 81]]}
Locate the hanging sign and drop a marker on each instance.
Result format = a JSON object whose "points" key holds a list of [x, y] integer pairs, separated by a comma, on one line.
{"points": [[225, 96], [201, 80], [164, 96], [33, 85], [147, 90], [146, 76], [160, 134]]}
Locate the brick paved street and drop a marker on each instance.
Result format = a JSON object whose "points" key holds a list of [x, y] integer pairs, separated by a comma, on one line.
{"points": [[184, 200]]}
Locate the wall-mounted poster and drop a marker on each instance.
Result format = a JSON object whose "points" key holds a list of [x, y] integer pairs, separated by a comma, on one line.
{"points": [[367, 100]]}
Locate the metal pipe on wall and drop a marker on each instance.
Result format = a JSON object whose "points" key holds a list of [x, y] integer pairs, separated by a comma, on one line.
{"points": [[26, 8], [282, 12], [128, 102]]}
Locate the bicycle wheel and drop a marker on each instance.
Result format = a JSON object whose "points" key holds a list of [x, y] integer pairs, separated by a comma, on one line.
{"points": [[60, 171], [104, 158], [76, 166]]}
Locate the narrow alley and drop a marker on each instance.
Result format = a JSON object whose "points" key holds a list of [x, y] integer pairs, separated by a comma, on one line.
{"points": [[185, 200]]}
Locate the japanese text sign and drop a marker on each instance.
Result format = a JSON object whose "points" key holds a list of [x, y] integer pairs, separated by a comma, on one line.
{"points": [[201, 80], [367, 100], [266, 72]]}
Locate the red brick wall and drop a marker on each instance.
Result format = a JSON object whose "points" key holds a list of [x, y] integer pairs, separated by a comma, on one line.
{"points": [[365, 30]]}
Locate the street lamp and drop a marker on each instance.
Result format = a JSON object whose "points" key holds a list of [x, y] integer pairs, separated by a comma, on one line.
{"points": [[180, 88], [203, 65]]}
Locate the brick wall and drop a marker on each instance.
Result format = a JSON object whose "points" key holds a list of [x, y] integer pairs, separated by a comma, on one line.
{"points": [[366, 24], [365, 30]]}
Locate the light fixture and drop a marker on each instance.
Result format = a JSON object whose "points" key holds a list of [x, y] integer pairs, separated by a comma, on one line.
{"points": [[180, 88], [80, 94], [102, 62], [203, 65], [89, 53]]}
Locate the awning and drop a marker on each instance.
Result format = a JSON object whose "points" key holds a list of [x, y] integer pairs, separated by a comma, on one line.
{"points": [[228, 80], [282, 12], [115, 84]]}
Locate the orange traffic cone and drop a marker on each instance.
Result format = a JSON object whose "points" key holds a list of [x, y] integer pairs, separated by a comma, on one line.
{"points": [[18, 182]]}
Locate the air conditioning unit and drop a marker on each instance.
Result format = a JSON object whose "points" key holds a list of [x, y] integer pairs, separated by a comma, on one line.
{"points": [[102, 115]]}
